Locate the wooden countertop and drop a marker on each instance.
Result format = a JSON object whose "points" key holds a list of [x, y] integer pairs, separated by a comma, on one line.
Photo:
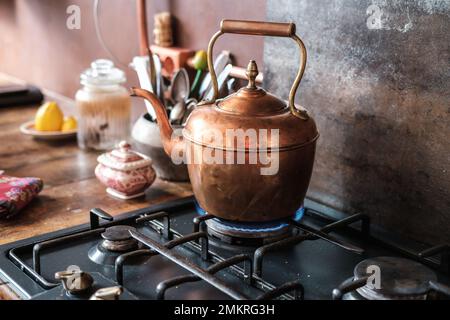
{"points": [[70, 187]]}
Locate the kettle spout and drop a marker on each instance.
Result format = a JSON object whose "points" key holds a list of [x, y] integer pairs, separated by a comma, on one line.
{"points": [[173, 143]]}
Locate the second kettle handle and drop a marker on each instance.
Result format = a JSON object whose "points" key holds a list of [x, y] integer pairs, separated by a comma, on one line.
{"points": [[260, 28]]}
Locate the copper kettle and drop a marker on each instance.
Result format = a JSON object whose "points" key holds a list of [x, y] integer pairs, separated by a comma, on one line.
{"points": [[230, 184]]}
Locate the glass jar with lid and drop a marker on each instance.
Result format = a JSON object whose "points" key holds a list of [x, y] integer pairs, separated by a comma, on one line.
{"points": [[103, 107]]}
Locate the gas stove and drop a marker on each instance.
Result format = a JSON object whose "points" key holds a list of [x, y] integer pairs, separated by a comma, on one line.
{"points": [[175, 250]]}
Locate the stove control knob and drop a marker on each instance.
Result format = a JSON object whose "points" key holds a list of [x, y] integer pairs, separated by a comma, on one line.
{"points": [[75, 281], [110, 293]]}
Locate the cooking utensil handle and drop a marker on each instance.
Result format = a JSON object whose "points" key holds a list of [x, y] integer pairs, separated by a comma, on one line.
{"points": [[259, 28], [142, 27]]}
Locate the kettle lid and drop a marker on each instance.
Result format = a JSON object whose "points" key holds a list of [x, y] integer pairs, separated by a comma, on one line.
{"points": [[252, 100]]}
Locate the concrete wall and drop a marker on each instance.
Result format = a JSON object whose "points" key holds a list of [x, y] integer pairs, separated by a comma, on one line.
{"points": [[378, 84]]}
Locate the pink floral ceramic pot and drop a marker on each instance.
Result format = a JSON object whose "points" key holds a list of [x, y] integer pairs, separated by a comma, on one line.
{"points": [[124, 172]]}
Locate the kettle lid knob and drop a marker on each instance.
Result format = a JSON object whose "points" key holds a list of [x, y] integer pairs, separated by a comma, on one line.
{"points": [[251, 73]]}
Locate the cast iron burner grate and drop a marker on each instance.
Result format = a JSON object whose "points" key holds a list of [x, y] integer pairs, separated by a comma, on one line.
{"points": [[182, 233], [250, 233]]}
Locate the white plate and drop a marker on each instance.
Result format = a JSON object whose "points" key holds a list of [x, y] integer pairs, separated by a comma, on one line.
{"points": [[28, 129]]}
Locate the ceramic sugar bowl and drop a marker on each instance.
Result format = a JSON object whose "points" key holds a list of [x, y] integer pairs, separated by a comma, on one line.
{"points": [[124, 172]]}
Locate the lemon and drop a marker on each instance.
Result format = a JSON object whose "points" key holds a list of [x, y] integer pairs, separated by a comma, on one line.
{"points": [[49, 117], [70, 123]]}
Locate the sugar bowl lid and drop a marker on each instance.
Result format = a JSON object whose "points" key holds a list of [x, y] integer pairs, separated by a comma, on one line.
{"points": [[123, 158]]}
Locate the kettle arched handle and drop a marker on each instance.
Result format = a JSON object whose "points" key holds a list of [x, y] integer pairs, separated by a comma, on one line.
{"points": [[259, 28]]}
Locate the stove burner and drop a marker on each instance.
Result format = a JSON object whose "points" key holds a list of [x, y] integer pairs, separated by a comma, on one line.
{"points": [[118, 238], [249, 233], [116, 241], [400, 279]]}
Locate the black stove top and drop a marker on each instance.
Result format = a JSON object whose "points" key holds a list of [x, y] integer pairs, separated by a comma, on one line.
{"points": [[166, 252]]}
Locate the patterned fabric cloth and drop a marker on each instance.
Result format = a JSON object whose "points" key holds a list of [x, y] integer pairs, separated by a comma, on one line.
{"points": [[15, 193]]}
